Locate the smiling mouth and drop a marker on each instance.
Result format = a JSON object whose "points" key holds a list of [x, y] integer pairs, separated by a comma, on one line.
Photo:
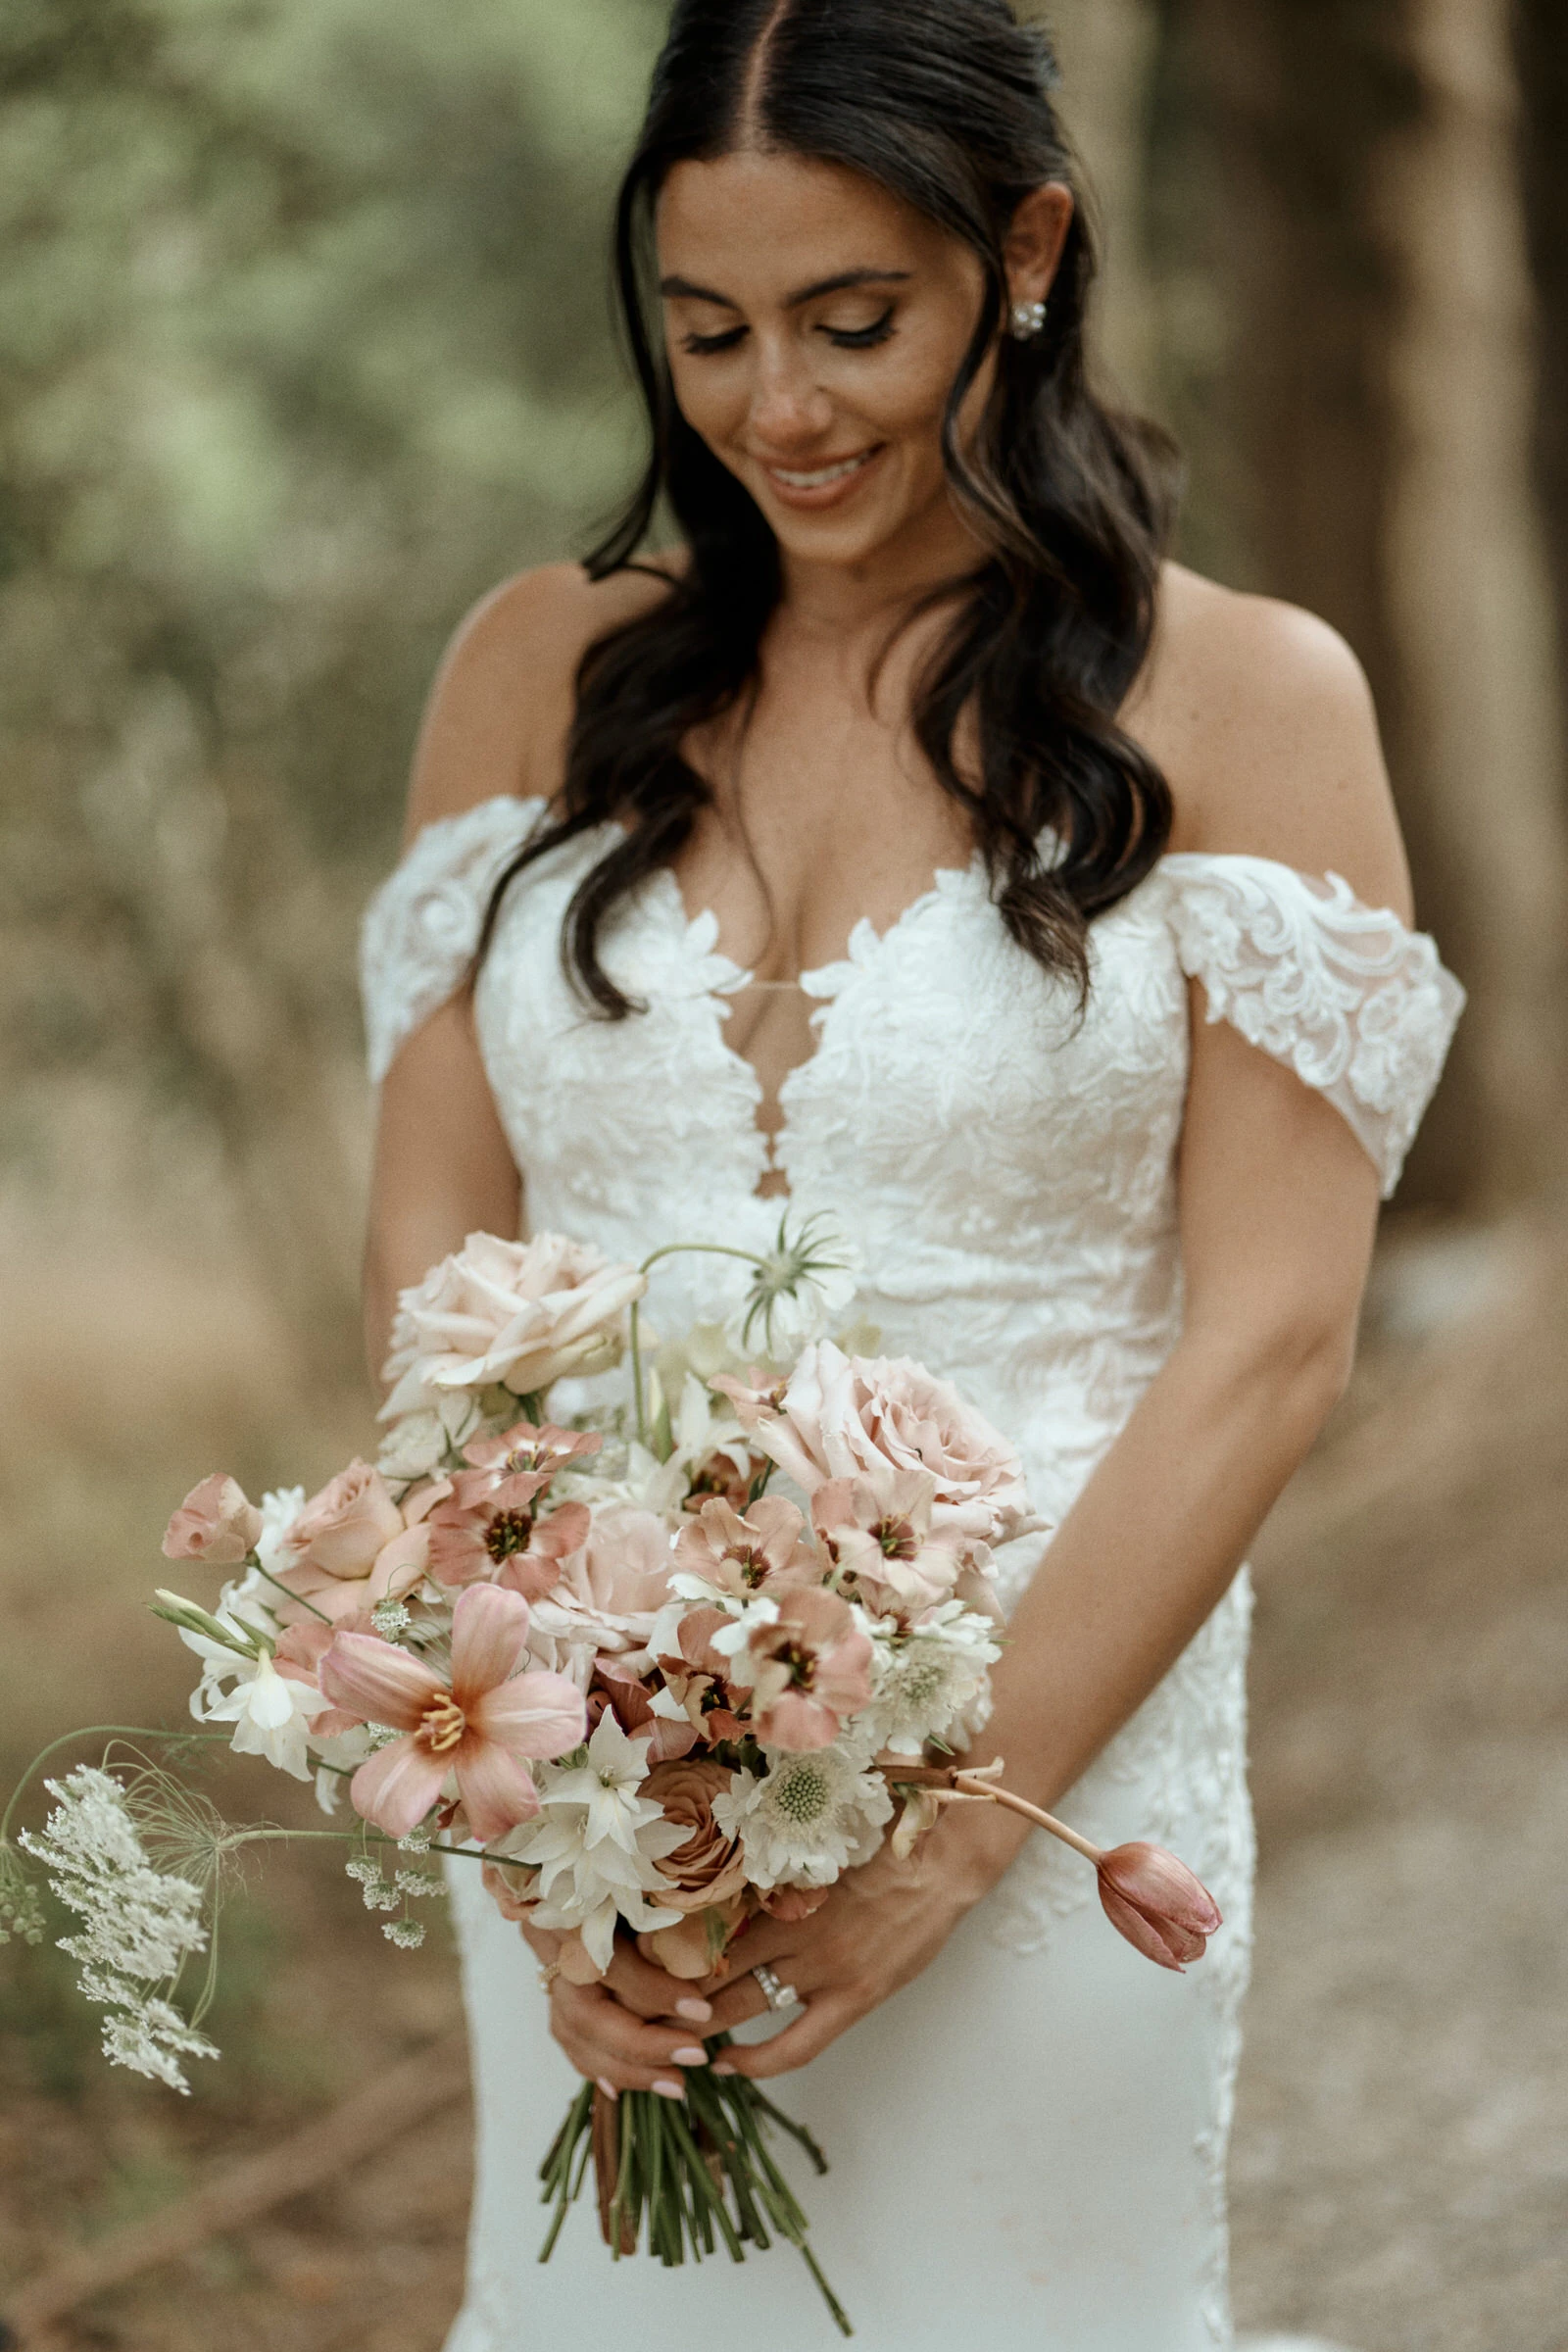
{"points": [[822, 477]]}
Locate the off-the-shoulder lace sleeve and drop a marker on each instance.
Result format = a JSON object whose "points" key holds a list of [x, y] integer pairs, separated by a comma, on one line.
{"points": [[422, 925], [1346, 996]]}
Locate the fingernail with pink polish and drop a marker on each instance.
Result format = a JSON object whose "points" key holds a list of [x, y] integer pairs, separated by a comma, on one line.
{"points": [[693, 2055], [698, 2011], [609, 2089], [723, 2065], [667, 2090]]}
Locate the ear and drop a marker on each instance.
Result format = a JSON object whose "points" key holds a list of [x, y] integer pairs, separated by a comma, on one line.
{"points": [[1034, 241]]}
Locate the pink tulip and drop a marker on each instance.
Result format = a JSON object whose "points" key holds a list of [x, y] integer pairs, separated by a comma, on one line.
{"points": [[1158, 1904], [481, 1726], [215, 1523]]}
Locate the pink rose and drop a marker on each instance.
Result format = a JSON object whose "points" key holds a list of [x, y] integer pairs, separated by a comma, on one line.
{"points": [[710, 1867], [352, 1545], [341, 1529], [611, 1588], [844, 1418], [519, 1314], [214, 1523]]}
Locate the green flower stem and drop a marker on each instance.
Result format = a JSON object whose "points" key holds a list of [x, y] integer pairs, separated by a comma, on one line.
{"points": [[678, 2164], [293, 1597], [91, 1730], [634, 1324]]}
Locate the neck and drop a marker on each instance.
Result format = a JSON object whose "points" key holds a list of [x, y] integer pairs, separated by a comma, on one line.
{"points": [[844, 599]]}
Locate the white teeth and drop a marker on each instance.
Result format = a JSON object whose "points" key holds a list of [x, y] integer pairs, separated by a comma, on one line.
{"points": [[830, 473]]}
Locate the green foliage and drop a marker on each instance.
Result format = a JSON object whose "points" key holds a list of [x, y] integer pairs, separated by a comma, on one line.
{"points": [[304, 342]]}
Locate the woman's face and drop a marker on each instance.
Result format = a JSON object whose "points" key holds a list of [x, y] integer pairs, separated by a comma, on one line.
{"points": [[816, 324]]}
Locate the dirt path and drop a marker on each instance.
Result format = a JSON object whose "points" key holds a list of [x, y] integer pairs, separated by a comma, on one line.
{"points": [[1402, 2153]]}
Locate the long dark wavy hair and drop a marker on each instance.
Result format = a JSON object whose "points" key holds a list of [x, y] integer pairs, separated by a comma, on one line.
{"points": [[947, 104]]}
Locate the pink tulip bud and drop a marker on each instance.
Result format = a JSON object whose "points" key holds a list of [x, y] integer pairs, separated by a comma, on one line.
{"points": [[1158, 1904]]}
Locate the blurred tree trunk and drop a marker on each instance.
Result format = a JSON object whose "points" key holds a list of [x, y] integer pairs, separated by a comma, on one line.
{"points": [[1468, 589], [1108, 53], [1542, 50], [1369, 231]]}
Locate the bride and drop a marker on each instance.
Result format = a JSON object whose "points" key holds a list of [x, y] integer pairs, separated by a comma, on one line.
{"points": [[916, 842]]}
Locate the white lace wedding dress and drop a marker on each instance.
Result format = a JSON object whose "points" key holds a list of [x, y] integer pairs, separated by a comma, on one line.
{"points": [[1028, 2145]]}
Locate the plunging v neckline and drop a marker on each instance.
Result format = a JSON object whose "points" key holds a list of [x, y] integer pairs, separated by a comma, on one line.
{"points": [[827, 981]]}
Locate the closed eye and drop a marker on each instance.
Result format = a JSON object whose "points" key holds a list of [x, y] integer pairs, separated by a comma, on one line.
{"points": [[710, 343], [843, 338], [862, 338]]}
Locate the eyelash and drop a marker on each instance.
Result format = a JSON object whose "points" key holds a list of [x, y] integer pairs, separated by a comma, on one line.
{"points": [[859, 338]]}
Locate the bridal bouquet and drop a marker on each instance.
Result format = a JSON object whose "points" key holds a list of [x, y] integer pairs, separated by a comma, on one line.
{"points": [[655, 1672]]}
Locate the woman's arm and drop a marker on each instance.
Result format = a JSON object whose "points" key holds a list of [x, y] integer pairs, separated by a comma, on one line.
{"points": [[1278, 1204], [496, 722]]}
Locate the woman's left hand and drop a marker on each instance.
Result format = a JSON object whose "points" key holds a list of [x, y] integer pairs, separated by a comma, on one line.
{"points": [[880, 1926]]}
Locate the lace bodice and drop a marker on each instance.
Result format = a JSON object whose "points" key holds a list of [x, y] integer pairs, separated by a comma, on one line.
{"points": [[1005, 1167]]}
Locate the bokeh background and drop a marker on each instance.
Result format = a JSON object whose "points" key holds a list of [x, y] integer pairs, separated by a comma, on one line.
{"points": [[306, 343]]}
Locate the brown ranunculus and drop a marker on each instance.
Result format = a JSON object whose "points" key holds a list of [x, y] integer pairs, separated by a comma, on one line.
{"points": [[709, 1867]]}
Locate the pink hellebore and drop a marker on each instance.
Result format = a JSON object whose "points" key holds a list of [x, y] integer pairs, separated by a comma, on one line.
{"points": [[523, 1449], [481, 1726], [877, 1530], [808, 1670], [487, 1532], [215, 1522], [742, 1555], [1158, 1904]]}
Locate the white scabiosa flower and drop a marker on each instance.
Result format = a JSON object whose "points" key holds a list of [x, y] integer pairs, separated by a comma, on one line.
{"points": [[140, 1925], [808, 1818], [803, 1286], [927, 1680]]}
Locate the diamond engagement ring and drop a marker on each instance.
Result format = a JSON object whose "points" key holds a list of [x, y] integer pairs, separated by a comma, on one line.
{"points": [[775, 1994]]}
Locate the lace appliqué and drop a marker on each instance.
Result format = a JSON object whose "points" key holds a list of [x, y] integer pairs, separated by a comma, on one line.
{"points": [[1343, 994], [423, 926]]}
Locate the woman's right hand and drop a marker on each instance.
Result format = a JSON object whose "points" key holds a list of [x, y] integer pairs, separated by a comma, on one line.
{"points": [[634, 2028]]}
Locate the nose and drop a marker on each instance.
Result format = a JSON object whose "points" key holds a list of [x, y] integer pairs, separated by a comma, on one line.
{"points": [[789, 409]]}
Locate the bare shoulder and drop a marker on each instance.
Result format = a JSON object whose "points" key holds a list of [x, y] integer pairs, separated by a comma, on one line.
{"points": [[1261, 719], [501, 705]]}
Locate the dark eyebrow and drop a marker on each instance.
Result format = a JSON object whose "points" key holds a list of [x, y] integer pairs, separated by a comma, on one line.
{"points": [[681, 289]]}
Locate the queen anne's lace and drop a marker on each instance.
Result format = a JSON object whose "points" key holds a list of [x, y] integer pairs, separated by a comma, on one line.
{"points": [[1003, 1173]]}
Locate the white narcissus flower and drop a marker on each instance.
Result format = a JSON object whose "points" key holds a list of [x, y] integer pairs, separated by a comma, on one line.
{"points": [[808, 1818], [586, 1884], [606, 1784], [271, 1713]]}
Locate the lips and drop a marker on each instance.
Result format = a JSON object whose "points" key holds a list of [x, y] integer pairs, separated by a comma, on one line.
{"points": [[814, 488], [821, 477]]}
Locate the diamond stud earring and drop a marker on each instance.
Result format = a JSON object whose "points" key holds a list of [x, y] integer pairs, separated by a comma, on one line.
{"points": [[1027, 321]]}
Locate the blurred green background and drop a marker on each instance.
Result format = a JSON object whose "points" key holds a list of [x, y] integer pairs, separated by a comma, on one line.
{"points": [[305, 341]]}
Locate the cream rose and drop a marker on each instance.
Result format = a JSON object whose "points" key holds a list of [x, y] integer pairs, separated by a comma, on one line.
{"points": [[520, 1314], [843, 1417]]}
